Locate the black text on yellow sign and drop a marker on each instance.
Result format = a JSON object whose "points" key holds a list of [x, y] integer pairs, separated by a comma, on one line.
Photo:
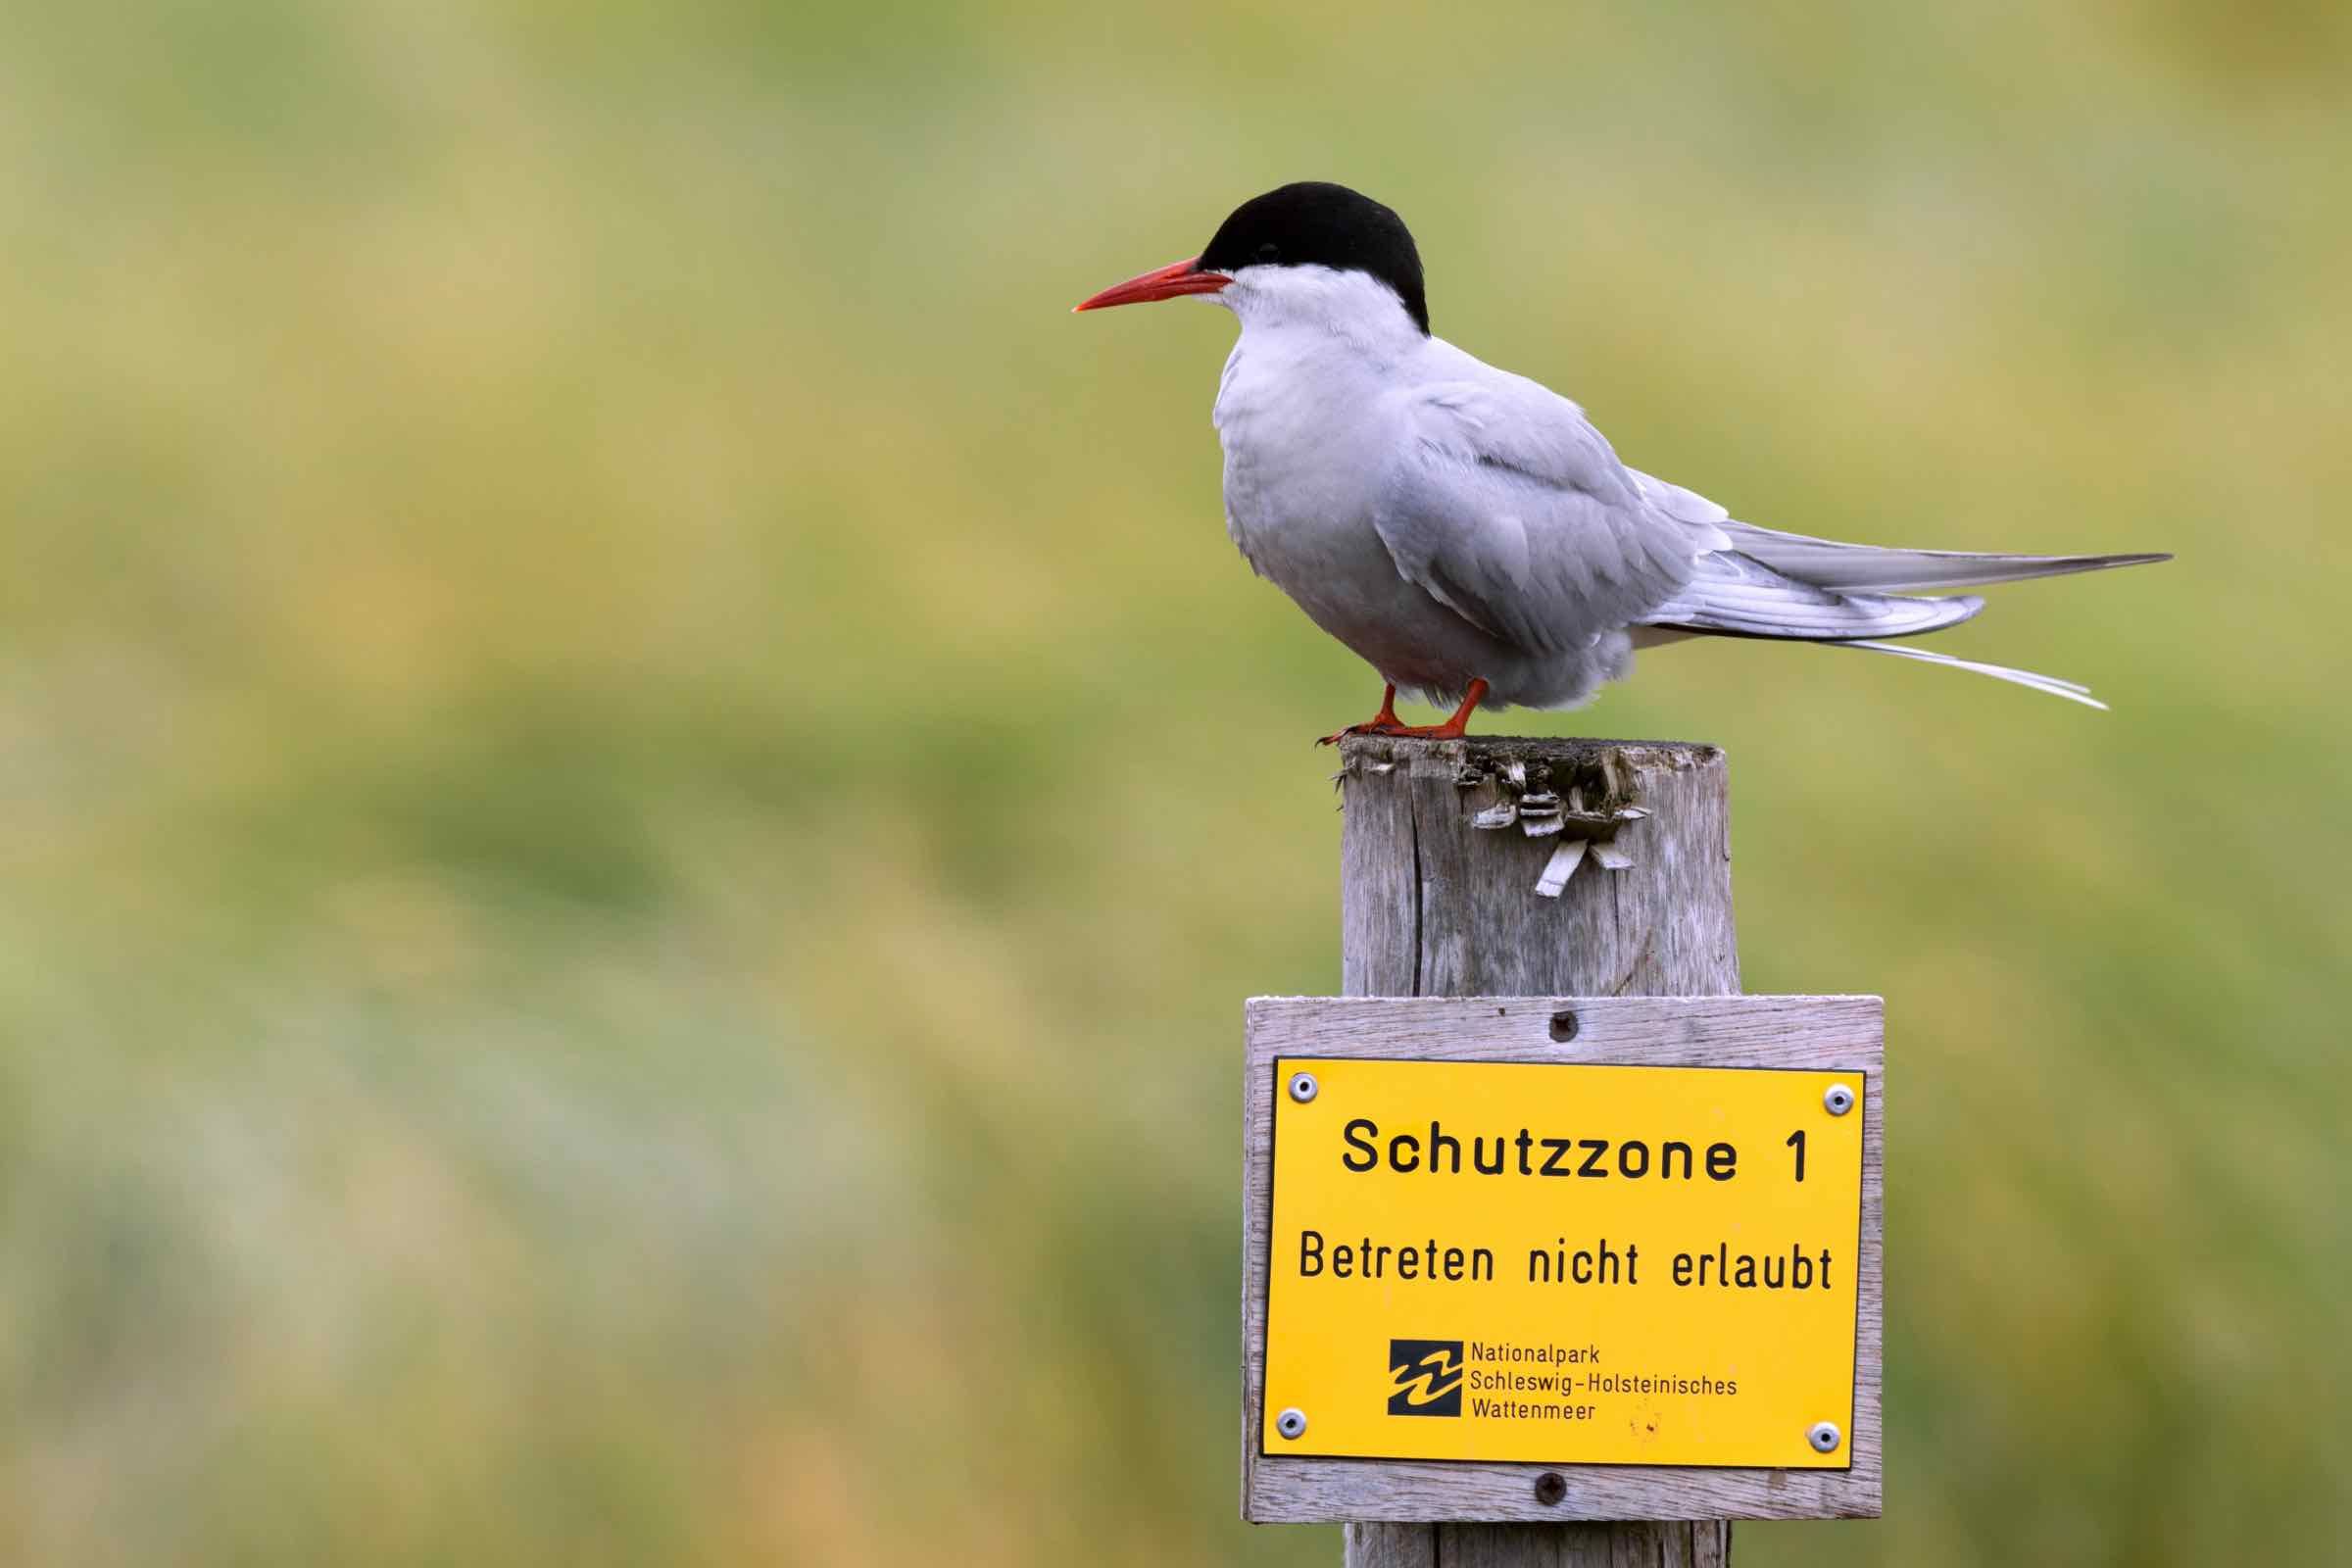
{"points": [[1565, 1263]]}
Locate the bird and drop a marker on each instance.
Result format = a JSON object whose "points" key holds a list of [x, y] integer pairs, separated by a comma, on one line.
{"points": [[1468, 532]]}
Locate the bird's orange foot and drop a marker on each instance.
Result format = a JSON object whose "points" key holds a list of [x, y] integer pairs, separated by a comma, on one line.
{"points": [[1369, 727], [1385, 723], [1454, 729]]}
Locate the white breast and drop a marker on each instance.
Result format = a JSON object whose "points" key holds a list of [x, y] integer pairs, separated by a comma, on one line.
{"points": [[1301, 447], [1308, 424]]}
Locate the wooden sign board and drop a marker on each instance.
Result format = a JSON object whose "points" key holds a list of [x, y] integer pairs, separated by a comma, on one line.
{"points": [[1563, 1258]]}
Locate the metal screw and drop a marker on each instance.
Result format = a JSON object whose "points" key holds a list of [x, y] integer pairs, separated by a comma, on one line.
{"points": [[1563, 1026], [1825, 1436], [1292, 1423], [1302, 1087], [1550, 1489], [1839, 1099]]}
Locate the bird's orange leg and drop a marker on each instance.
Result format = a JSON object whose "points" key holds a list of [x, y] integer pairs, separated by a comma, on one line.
{"points": [[1385, 722], [1455, 728]]}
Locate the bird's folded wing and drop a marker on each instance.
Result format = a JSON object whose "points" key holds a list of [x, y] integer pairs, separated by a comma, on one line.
{"points": [[1872, 569], [1505, 505], [1735, 595]]}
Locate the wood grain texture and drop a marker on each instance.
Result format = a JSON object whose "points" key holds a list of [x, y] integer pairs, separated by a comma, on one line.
{"points": [[1434, 907], [1571, 1545], [1811, 1033], [1431, 906], [1378, 1545]]}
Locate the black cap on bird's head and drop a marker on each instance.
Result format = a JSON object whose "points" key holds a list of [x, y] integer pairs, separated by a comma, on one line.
{"points": [[1316, 225], [1311, 224]]}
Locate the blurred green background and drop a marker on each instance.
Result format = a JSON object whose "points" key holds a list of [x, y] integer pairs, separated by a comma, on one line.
{"points": [[640, 788]]}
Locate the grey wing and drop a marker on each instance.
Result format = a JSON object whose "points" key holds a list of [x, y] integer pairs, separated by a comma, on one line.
{"points": [[1765, 583], [1505, 505], [1871, 569]]}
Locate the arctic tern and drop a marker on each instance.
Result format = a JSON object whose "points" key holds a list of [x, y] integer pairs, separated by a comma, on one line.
{"points": [[1467, 531]]}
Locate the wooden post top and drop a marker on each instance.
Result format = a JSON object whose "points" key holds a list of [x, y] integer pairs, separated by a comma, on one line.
{"points": [[1495, 865]]}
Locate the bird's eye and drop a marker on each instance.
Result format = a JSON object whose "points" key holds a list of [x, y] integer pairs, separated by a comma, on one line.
{"points": [[1269, 252]]}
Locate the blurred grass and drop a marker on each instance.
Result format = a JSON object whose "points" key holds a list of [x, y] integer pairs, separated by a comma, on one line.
{"points": [[640, 787]]}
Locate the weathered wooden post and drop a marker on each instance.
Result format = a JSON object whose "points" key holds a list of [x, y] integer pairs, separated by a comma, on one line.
{"points": [[1556, 880]]}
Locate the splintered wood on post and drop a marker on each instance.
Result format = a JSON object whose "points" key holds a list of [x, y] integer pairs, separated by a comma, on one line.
{"points": [[1445, 870]]}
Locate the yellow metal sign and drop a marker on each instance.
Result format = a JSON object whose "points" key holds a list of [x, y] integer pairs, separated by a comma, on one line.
{"points": [[1566, 1263]]}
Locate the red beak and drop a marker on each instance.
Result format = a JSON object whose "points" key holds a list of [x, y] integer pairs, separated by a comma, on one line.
{"points": [[1160, 283]]}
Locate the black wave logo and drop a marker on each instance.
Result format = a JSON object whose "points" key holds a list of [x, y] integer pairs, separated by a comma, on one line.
{"points": [[1427, 1375]]}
